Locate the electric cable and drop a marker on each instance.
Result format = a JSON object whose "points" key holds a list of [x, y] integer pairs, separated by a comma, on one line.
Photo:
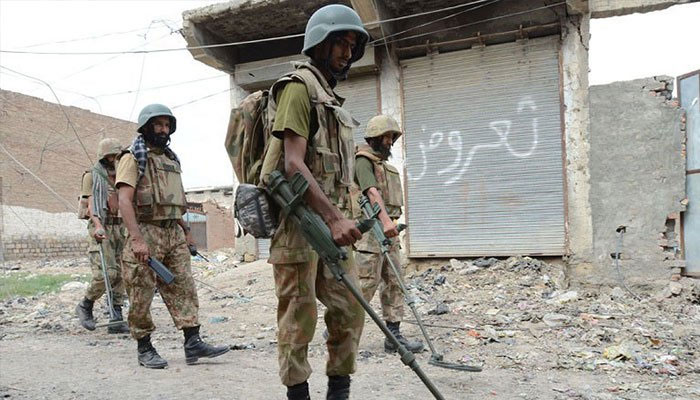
{"points": [[70, 206], [60, 106], [384, 36], [477, 22], [253, 41]]}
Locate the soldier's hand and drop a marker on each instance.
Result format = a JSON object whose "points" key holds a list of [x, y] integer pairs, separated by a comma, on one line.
{"points": [[99, 235], [140, 249], [391, 230], [345, 232]]}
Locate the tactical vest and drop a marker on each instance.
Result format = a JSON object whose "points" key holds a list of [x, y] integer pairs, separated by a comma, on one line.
{"points": [[330, 152], [159, 192], [388, 180]]}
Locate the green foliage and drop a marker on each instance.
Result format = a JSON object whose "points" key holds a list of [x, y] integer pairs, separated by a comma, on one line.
{"points": [[24, 284]]}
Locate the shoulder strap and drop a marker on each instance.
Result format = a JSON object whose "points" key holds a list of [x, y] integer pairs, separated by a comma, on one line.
{"points": [[100, 171]]}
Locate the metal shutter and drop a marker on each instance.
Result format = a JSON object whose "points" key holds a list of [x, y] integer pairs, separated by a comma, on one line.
{"points": [[689, 89], [484, 151], [360, 93]]}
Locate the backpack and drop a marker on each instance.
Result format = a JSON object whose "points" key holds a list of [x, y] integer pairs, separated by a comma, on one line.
{"points": [[247, 142]]}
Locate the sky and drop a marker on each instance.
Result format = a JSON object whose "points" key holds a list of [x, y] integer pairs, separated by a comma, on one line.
{"points": [[621, 48]]}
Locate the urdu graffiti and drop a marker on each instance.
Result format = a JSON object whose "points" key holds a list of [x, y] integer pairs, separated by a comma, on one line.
{"points": [[463, 160]]}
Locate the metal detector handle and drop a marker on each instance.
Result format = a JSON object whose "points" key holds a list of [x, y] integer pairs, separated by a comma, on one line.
{"points": [[193, 252], [161, 270]]}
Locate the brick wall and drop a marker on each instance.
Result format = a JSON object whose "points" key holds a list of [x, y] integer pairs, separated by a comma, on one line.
{"points": [[37, 133], [220, 227], [32, 246]]}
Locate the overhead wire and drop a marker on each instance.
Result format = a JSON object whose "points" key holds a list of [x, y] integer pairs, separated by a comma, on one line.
{"points": [[70, 206], [384, 36], [238, 43], [65, 114], [477, 22], [85, 38]]}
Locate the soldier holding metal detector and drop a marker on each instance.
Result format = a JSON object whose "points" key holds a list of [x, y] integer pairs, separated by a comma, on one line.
{"points": [[313, 146], [106, 239], [152, 202], [380, 182]]}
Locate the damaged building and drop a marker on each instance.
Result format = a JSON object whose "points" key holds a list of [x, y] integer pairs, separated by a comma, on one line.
{"points": [[500, 125]]}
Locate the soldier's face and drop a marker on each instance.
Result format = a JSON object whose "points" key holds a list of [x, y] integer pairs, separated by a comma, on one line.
{"points": [[388, 140], [161, 125], [342, 48]]}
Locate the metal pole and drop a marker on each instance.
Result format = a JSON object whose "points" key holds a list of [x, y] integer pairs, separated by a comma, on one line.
{"points": [[108, 286], [406, 356]]}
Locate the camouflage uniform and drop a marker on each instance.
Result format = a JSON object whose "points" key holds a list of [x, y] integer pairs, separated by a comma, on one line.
{"points": [[112, 247], [372, 265], [300, 277], [159, 202]]}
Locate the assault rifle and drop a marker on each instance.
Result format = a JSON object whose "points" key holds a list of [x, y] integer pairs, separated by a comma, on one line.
{"points": [[289, 196]]}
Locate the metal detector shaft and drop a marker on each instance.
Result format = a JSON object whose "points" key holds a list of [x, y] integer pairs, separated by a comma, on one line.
{"points": [[108, 285], [406, 356], [384, 244]]}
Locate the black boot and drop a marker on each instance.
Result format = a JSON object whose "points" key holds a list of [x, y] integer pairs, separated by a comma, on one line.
{"points": [[84, 312], [338, 387], [195, 348], [118, 328], [298, 392], [148, 356], [413, 347]]}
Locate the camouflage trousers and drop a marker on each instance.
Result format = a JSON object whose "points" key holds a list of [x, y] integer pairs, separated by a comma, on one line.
{"points": [[297, 287], [112, 250], [375, 271], [180, 297]]}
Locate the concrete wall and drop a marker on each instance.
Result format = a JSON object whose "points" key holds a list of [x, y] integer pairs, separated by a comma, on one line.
{"points": [[574, 58], [33, 246], [220, 227], [637, 179], [613, 8]]}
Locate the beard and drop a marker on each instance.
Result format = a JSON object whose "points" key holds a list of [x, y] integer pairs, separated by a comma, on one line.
{"points": [[378, 147], [156, 140], [109, 166]]}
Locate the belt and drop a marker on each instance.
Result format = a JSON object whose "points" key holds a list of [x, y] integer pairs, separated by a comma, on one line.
{"points": [[109, 220], [163, 223]]}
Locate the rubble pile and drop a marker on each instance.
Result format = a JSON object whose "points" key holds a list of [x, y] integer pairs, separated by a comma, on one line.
{"points": [[518, 313]]}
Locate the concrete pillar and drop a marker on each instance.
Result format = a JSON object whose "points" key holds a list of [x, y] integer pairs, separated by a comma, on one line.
{"points": [[575, 37]]}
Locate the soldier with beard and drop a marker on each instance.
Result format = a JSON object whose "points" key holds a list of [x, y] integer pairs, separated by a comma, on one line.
{"points": [[381, 183], [106, 230], [152, 202]]}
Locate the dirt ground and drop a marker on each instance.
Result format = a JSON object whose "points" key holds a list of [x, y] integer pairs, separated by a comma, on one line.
{"points": [[534, 337]]}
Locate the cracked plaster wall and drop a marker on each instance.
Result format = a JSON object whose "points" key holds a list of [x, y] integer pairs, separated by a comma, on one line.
{"points": [[574, 55], [638, 179]]}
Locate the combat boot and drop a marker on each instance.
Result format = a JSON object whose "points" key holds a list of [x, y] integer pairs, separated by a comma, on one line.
{"points": [[118, 328], [196, 348], [298, 392], [338, 387], [389, 347], [84, 312], [148, 356]]}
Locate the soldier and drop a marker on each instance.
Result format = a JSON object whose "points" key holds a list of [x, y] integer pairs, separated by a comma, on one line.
{"points": [[152, 201], [106, 232], [316, 135], [380, 181]]}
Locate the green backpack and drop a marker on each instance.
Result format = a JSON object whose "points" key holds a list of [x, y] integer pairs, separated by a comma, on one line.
{"points": [[249, 145]]}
